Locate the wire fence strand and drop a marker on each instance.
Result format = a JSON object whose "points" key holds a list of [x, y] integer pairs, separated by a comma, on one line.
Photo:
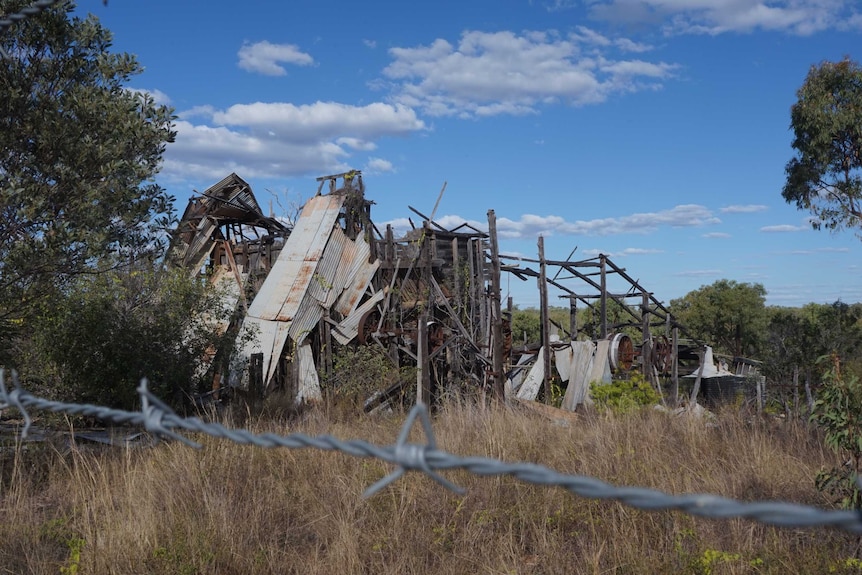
{"points": [[157, 418]]}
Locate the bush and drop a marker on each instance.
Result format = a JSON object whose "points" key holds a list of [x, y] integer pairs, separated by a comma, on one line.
{"points": [[622, 395], [112, 329], [838, 411]]}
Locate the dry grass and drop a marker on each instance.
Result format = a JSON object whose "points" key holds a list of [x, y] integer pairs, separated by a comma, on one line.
{"points": [[234, 509]]}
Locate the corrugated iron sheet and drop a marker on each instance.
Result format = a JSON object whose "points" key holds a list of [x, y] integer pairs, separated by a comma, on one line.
{"points": [[342, 274], [284, 306], [361, 273], [345, 331], [325, 280], [285, 286]]}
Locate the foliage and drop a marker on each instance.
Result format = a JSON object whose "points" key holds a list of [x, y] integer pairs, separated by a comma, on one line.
{"points": [[622, 395], [796, 337], [359, 371], [78, 152], [838, 410], [110, 330], [729, 315], [824, 177], [789, 344], [619, 319], [527, 323]]}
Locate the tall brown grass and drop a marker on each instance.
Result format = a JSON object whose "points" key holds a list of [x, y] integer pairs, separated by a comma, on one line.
{"points": [[234, 509]]}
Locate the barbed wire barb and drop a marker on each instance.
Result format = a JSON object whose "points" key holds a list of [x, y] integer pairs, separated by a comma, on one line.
{"points": [[13, 399], [154, 411], [412, 455]]}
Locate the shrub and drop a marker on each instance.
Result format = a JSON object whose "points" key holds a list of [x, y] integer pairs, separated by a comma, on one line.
{"points": [[622, 395]]}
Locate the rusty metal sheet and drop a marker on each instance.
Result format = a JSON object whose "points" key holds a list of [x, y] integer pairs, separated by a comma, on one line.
{"points": [[347, 302], [285, 286], [284, 291], [307, 316], [345, 331], [325, 279], [342, 273]]}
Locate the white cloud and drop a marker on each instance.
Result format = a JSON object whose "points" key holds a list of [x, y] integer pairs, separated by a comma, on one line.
{"points": [[370, 43], [801, 17], [356, 144], [204, 111], [282, 139], [531, 225], [158, 96], [322, 119], [627, 45], [489, 74], [266, 58], [378, 166], [716, 235], [743, 209], [781, 228]]}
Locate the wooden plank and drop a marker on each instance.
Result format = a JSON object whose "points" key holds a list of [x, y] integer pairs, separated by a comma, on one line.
{"points": [[497, 353], [546, 324]]}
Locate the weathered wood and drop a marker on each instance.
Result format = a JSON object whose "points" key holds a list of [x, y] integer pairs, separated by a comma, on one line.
{"points": [[646, 346], [674, 367], [546, 324], [423, 375], [573, 318], [696, 389], [455, 358], [603, 305], [497, 353], [481, 300]]}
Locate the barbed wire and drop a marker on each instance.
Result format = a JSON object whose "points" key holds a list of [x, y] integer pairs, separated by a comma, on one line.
{"points": [[157, 418]]}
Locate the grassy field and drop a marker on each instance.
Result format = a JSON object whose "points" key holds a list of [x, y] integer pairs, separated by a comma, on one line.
{"points": [[234, 509]]}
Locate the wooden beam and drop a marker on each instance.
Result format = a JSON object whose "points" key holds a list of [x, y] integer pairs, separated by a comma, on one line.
{"points": [[546, 324], [497, 334]]}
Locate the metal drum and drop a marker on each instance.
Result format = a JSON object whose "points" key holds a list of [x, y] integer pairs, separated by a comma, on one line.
{"points": [[621, 352]]}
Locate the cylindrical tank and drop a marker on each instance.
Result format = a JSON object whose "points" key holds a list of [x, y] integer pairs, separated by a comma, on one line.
{"points": [[621, 352]]}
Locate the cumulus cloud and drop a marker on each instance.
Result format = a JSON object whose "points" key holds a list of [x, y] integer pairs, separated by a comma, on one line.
{"points": [[378, 166], [282, 139], [800, 17], [743, 209], [488, 74], [267, 58], [356, 144], [531, 225], [322, 119], [716, 235]]}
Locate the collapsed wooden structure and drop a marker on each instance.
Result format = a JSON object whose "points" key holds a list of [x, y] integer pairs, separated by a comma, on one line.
{"points": [[430, 298]]}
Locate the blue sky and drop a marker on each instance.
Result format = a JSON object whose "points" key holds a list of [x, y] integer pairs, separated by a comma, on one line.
{"points": [[655, 131]]}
